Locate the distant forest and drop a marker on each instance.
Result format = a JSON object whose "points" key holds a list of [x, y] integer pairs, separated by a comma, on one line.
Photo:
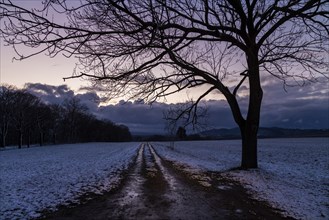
{"points": [[26, 120]]}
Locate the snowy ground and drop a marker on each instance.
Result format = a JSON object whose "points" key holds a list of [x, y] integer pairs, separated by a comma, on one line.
{"points": [[293, 174], [44, 177]]}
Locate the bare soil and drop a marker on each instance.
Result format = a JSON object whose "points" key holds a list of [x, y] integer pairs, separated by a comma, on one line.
{"points": [[154, 188]]}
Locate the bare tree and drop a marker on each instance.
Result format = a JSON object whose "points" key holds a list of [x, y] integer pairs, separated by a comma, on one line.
{"points": [[6, 107], [21, 113], [154, 48], [191, 115], [42, 120], [181, 133], [57, 115], [73, 110]]}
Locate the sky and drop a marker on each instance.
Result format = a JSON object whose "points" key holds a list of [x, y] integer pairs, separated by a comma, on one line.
{"points": [[298, 107], [37, 69], [295, 107]]}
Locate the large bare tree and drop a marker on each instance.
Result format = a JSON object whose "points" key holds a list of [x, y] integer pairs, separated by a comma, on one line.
{"points": [[154, 48]]}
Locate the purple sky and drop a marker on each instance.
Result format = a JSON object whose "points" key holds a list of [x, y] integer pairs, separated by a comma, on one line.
{"points": [[299, 107]]}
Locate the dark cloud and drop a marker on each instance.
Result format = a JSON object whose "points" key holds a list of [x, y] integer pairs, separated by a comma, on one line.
{"points": [[50, 94], [295, 107], [138, 116], [57, 94], [90, 99]]}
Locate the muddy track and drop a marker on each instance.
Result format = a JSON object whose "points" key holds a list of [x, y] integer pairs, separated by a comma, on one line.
{"points": [[156, 189]]}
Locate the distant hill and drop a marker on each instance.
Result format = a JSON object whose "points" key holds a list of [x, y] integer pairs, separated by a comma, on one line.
{"points": [[273, 132], [234, 133]]}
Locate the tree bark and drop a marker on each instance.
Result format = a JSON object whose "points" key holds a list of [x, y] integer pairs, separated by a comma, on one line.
{"points": [[3, 140], [20, 139], [249, 146], [4, 131], [249, 129], [54, 138], [41, 138], [28, 138]]}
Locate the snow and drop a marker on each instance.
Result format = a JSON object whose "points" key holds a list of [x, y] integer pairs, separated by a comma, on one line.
{"points": [[39, 178], [293, 174]]}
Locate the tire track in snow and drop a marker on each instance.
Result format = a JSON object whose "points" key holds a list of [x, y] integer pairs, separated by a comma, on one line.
{"points": [[134, 190], [171, 181], [185, 199], [153, 189], [191, 199]]}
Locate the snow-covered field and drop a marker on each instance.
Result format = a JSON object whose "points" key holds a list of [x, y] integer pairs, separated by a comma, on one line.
{"points": [[44, 177], [293, 174]]}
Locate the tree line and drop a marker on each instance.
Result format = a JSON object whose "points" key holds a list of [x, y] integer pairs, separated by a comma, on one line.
{"points": [[25, 120]]}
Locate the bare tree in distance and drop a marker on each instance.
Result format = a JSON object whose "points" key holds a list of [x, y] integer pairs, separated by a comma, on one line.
{"points": [[73, 109], [188, 115], [7, 97], [22, 112], [151, 49]]}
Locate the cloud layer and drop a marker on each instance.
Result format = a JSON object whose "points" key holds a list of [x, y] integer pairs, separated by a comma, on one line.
{"points": [[297, 107]]}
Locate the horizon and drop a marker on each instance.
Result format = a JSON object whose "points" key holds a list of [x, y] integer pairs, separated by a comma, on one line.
{"points": [[296, 111]]}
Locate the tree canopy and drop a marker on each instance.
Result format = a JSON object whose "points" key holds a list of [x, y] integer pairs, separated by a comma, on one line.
{"points": [[154, 48]]}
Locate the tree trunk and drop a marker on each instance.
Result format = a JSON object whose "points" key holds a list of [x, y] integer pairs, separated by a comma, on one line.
{"points": [[249, 146], [41, 138], [3, 140], [20, 139], [4, 131], [249, 129], [28, 139], [54, 138]]}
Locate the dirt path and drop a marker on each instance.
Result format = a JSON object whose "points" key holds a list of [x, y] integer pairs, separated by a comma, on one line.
{"points": [[155, 189]]}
